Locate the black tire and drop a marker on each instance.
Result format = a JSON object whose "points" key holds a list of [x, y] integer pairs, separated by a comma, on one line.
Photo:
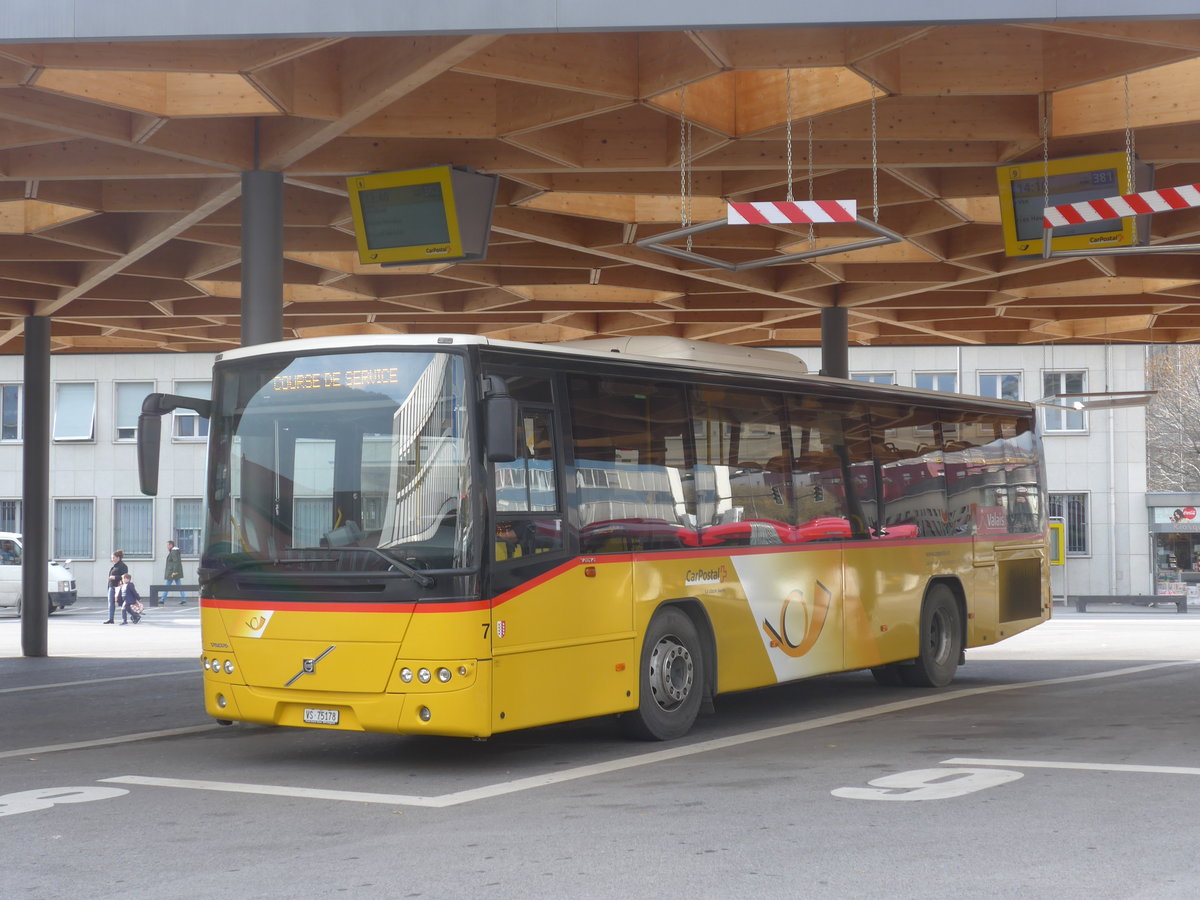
{"points": [[888, 676], [671, 679], [941, 641]]}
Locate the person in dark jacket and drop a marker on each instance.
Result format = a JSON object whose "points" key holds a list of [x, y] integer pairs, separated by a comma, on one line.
{"points": [[173, 572], [114, 583], [130, 600]]}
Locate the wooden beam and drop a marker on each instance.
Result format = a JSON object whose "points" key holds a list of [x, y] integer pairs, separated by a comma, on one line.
{"points": [[374, 72]]}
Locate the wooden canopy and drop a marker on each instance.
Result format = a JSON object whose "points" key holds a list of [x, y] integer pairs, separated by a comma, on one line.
{"points": [[120, 175]]}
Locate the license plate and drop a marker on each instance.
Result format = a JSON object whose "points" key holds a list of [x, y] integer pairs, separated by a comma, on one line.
{"points": [[320, 717]]}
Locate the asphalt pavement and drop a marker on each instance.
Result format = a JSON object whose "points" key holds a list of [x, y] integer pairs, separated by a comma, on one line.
{"points": [[1064, 762]]}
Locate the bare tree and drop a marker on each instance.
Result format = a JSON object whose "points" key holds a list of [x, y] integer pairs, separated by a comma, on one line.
{"points": [[1173, 418]]}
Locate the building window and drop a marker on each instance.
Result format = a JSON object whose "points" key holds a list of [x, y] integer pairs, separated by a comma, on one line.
{"points": [[874, 377], [10, 515], [186, 525], [188, 423], [127, 406], [1056, 418], [74, 524], [1000, 385], [10, 412], [133, 527], [1072, 509], [946, 382], [75, 412]]}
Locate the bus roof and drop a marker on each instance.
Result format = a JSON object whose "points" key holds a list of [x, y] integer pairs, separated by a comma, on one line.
{"points": [[677, 354]]}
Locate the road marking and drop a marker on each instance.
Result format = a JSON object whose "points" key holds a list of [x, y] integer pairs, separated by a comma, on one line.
{"points": [[63, 684], [107, 742], [630, 762], [1081, 766]]}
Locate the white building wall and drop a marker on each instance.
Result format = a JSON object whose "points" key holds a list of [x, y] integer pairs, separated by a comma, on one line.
{"points": [[105, 469], [1107, 462]]}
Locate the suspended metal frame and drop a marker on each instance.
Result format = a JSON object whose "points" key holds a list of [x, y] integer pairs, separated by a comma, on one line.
{"points": [[1185, 196], [735, 216]]}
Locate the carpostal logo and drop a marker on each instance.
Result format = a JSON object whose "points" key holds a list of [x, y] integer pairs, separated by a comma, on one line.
{"points": [[717, 575], [801, 621]]}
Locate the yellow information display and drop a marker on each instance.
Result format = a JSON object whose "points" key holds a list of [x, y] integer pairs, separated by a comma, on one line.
{"points": [[435, 214], [1026, 189], [1058, 542]]}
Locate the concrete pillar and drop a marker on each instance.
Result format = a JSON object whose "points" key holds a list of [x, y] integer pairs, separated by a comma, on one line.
{"points": [[262, 257], [835, 342], [35, 487]]}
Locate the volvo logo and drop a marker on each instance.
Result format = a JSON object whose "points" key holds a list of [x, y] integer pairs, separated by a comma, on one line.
{"points": [[308, 667]]}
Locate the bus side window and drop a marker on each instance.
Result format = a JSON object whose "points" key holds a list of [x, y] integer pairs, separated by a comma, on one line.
{"points": [[528, 485], [633, 480]]}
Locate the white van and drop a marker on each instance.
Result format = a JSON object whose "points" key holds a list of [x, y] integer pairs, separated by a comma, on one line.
{"points": [[60, 581]]}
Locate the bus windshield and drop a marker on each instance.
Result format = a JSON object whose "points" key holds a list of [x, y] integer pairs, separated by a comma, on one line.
{"points": [[344, 462]]}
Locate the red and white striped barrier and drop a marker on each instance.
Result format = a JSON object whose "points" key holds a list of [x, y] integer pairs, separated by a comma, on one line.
{"points": [[1165, 200], [785, 212]]}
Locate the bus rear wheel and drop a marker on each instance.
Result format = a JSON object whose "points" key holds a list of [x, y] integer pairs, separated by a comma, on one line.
{"points": [[941, 641], [670, 681]]}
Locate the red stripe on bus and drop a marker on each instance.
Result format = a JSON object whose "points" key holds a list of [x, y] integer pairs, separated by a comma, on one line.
{"points": [[301, 606]]}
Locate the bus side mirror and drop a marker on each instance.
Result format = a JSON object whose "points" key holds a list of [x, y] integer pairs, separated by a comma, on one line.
{"points": [[149, 432], [500, 421]]}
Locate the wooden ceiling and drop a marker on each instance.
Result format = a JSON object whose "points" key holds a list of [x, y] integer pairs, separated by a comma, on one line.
{"points": [[120, 175]]}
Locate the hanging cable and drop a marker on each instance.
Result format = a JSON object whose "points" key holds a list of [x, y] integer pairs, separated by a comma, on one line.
{"points": [[788, 132], [874, 155], [685, 166], [812, 234], [1130, 169]]}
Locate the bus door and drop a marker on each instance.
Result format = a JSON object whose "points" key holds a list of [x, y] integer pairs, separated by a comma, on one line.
{"points": [[553, 614]]}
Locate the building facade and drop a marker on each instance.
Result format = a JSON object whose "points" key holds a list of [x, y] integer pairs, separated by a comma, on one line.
{"points": [[96, 505], [1096, 460]]}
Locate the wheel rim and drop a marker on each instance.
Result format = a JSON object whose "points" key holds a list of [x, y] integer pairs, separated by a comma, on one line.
{"points": [[939, 637], [672, 671]]}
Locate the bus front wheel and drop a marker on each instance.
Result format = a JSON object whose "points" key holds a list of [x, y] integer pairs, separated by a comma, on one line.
{"points": [[670, 681], [941, 641]]}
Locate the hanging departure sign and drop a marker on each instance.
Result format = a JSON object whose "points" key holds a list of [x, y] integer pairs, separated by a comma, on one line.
{"points": [[1025, 189], [436, 214]]}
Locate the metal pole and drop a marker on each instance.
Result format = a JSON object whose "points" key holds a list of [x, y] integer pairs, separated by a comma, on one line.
{"points": [[835, 341], [35, 487], [262, 257]]}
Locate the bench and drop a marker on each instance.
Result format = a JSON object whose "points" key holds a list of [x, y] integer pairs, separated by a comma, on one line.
{"points": [[1180, 601], [156, 589]]}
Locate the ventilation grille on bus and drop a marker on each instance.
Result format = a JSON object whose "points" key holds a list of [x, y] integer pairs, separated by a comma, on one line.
{"points": [[1020, 589]]}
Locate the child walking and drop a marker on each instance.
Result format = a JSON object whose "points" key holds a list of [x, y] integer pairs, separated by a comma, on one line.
{"points": [[130, 600]]}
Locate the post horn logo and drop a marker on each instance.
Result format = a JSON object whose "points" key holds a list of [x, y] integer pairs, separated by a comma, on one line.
{"points": [[812, 621]]}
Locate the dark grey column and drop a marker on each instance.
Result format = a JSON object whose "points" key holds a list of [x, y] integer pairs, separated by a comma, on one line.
{"points": [[35, 486], [262, 257], [835, 341]]}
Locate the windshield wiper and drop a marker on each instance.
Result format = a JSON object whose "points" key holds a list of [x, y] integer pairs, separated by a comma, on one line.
{"points": [[328, 554], [408, 569]]}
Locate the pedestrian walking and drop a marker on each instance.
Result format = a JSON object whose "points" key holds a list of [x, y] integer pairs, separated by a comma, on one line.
{"points": [[173, 573], [130, 600], [115, 574]]}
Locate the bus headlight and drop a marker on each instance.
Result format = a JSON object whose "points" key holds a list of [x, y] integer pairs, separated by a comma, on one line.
{"points": [[406, 674], [423, 675], [443, 675], [229, 667]]}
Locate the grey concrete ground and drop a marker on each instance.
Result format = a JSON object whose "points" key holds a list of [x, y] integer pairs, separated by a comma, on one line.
{"points": [[1063, 763]]}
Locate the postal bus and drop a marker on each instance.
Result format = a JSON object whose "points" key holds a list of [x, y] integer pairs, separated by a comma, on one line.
{"points": [[454, 535]]}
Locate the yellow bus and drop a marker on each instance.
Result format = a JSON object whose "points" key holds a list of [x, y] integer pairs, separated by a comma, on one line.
{"points": [[453, 535]]}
